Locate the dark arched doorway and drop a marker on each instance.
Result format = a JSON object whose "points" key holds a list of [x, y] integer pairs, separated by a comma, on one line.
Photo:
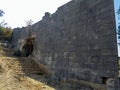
{"points": [[27, 48]]}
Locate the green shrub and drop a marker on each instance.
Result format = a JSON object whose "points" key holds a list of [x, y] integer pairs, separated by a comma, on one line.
{"points": [[6, 33], [0, 47]]}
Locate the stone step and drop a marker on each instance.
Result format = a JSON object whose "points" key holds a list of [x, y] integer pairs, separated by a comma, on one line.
{"points": [[27, 66]]}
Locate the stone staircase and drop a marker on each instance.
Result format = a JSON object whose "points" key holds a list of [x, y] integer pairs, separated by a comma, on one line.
{"points": [[25, 65], [20, 73], [28, 66]]}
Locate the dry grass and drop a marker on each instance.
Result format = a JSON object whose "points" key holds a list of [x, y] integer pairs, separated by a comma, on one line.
{"points": [[11, 80], [12, 77]]}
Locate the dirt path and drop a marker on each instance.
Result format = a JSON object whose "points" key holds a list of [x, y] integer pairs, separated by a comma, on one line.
{"points": [[11, 77]]}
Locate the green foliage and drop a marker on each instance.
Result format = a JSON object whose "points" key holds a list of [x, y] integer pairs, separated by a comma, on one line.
{"points": [[2, 23], [118, 12], [118, 31], [1, 13], [119, 62], [5, 33], [0, 48]]}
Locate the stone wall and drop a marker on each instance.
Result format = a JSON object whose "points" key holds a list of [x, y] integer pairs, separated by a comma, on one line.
{"points": [[78, 41]]}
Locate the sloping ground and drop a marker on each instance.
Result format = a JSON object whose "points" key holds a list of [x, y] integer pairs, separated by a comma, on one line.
{"points": [[12, 75], [24, 74]]}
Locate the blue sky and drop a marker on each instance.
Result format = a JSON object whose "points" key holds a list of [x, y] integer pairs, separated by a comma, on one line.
{"points": [[117, 5]]}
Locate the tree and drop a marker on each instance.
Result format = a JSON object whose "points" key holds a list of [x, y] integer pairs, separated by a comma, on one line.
{"points": [[1, 13], [118, 32], [5, 33], [118, 12], [29, 27], [2, 23]]}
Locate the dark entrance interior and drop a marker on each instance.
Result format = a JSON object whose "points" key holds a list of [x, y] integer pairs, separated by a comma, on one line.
{"points": [[104, 80], [28, 47]]}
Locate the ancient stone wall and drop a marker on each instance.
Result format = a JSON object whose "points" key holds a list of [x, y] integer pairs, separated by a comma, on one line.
{"points": [[78, 42]]}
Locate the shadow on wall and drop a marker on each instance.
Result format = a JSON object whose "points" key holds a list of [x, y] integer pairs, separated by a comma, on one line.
{"points": [[27, 48]]}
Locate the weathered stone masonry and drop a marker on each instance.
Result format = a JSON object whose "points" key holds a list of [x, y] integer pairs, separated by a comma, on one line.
{"points": [[78, 41]]}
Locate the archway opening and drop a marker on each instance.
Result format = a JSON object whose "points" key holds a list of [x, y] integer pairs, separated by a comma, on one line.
{"points": [[27, 48]]}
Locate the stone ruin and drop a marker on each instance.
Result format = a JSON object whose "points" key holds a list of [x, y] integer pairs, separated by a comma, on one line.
{"points": [[78, 41]]}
